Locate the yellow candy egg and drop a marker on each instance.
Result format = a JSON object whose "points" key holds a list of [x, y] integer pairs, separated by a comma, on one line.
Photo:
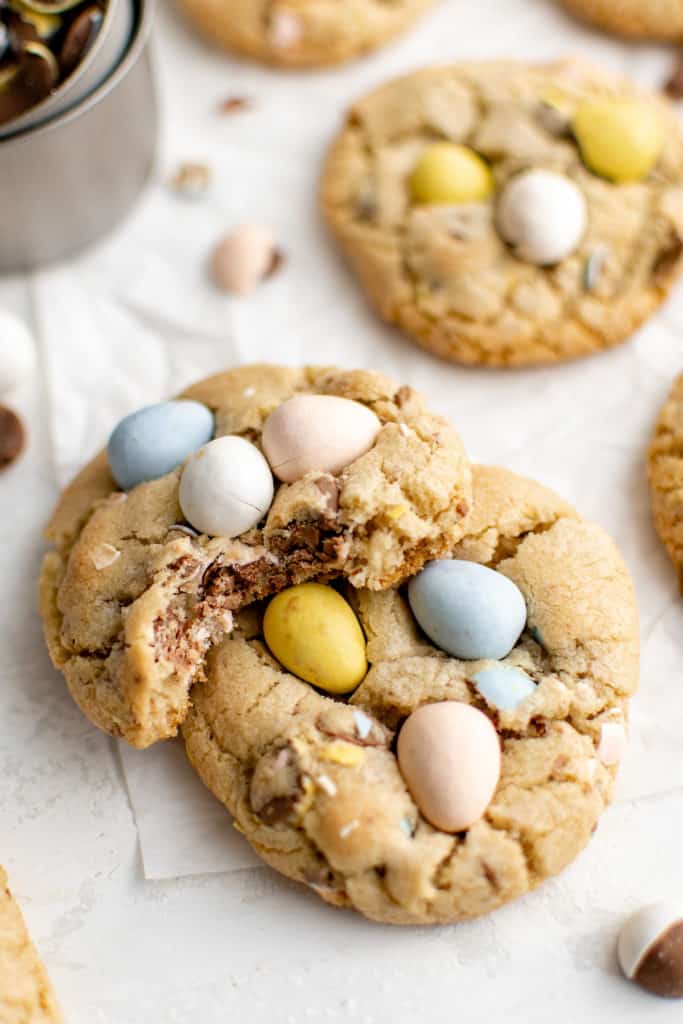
{"points": [[448, 173], [619, 139], [314, 633]]}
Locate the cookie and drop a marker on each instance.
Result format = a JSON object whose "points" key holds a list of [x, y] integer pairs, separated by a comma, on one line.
{"points": [[665, 471], [133, 597], [643, 19], [434, 191], [26, 996], [315, 783], [302, 33]]}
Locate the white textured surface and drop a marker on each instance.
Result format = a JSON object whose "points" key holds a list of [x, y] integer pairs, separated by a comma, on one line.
{"points": [[132, 321]]}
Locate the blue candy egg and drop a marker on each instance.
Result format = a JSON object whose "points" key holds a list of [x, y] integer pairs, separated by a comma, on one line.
{"points": [[155, 440], [503, 686], [468, 610]]}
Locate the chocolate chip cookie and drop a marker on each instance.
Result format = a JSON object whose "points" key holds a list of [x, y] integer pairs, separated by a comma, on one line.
{"points": [[506, 214], [302, 33], [643, 19], [142, 581], [326, 790], [26, 996]]}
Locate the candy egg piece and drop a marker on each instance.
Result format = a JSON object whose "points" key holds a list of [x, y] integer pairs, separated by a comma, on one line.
{"points": [[449, 757], [650, 949], [17, 352], [321, 433], [542, 215], [153, 441], [450, 173], [243, 258], [619, 139], [315, 634], [613, 743], [467, 609], [503, 686], [226, 487]]}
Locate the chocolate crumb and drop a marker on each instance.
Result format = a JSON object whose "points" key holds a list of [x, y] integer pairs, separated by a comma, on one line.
{"points": [[276, 263], [12, 437], [234, 105], [668, 257], [673, 87]]}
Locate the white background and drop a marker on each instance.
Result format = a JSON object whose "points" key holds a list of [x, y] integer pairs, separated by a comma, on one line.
{"points": [[133, 320]]}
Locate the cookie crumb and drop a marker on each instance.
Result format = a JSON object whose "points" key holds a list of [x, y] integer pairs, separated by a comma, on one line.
{"points": [[234, 105], [191, 180]]}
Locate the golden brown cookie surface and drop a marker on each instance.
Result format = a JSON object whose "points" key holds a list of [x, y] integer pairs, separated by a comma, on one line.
{"points": [[26, 996], [302, 33], [132, 599], [643, 19], [442, 272], [665, 470], [315, 785]]}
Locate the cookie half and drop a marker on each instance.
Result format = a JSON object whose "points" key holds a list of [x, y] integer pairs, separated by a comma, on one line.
{"points": [[642, 19], [132, 598], [302, 33], [26, 996], [441, 269], [665, 471], [314, 783]]}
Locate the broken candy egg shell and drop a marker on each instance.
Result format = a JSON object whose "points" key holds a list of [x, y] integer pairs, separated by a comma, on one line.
{"points": [[449, 757], [315, 634], [17, 352], [243, 258], [503, 687], [321, 433], [226, 487], [650, 948], [154, 440]]}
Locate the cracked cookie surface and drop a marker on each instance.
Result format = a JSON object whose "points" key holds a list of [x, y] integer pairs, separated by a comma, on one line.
{"points": [[302, 33], [26, 996], [132, 599], [665, 471], [442, 273], [644, 19], [314, 784]]}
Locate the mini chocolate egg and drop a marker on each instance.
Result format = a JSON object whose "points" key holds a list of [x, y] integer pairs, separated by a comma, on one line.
{"points": [[503, 686], [17, 352], [450, 173], [620, 139], [449, 757], [542, 215], [650, 949], [315, 634], [242, 259], [153, 441], [226, 487], [317, 433], [467, 609]]}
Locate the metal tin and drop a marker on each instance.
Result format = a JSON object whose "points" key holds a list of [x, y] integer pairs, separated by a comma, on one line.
{"points": [[103, 57], [67, 183]]}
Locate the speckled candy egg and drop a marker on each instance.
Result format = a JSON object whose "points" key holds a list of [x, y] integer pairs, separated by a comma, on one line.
{"points": [[543, 216], [449, 757], [226, 487], [153, 441], [17, 352], [321, 433], [620, 139], [467, 609], [315, 634]]}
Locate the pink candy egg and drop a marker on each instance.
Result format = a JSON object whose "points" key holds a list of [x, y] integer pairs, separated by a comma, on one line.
{"points": [[449, 756]]}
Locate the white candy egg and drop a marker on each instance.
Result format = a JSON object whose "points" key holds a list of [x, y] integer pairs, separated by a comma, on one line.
{"points": [[226, 487], [321, 433], [242, 259], [17, 352], [543, 215]]}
